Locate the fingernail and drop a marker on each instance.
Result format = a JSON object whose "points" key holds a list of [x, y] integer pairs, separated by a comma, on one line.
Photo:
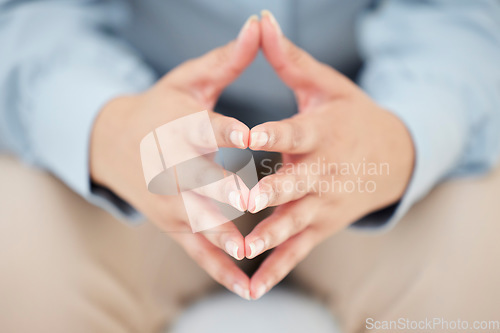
{"points": [[267, 13], [261, 201], [260, 292], [242, 292], [258, 139], [256, 247], [232, 249], [236, 138], [235, 200], [247, 24]]}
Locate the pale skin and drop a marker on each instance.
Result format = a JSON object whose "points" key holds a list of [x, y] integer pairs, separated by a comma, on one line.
{"points": [[336, 122], [191, 87]]}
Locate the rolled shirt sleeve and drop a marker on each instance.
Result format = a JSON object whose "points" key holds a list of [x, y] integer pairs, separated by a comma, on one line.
{"points": [[434, 64], [61, 63]]}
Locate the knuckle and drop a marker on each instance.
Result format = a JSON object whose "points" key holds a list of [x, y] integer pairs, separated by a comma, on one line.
{"points": [[273, 133], [301, 184], [221, 56], [293, 256], [274, 276], [276, 189], [296, 136], [272, 186], [223, 59], [298, 221], [280, 66], [204, 134], [195, 221], [219, 275], [226, 134], [268, 184], [197, 254], [222, 127], [222, 234], [294, 143], [177, 226], [166, 220], [295, 55], [271, 236]]}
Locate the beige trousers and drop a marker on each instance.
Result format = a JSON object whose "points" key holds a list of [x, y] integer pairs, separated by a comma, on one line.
{"points": [[67, 266]]}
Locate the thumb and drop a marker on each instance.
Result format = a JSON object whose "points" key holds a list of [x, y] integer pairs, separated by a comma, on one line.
{"points": [[297, 68], [209, 74]]}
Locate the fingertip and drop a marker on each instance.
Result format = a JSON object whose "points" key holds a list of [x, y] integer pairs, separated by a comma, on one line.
{"points": [[245, 193], [236, 200], [258, 140], [230, 132], [241, 253], [250, 199], [243, 203], [247, 26], [267, 16], [240, 284], [237, 193], [260, 202], [263, 136], [239, 134], [257, 199], [271, 36], [232, 249], [248, 250], [248, 42], [257, 288], [243, 292], [259, 292], [235, 249], [254, 247], [236, 137]]}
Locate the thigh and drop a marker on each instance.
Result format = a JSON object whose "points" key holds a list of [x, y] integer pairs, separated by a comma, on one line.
{"points": [[439, 261], [67, 266]]}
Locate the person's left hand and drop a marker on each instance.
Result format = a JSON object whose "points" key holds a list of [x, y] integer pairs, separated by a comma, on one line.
{"points": [[343, 157]]}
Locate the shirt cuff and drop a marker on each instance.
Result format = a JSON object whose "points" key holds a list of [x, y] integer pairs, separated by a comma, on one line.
{"points": [[435, 119], [64, 107]]}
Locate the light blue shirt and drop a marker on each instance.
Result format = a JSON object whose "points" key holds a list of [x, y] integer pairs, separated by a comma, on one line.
{"points": [[435, 64]]}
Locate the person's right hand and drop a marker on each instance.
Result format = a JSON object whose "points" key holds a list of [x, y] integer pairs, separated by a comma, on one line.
{"points": [[121, 125]]}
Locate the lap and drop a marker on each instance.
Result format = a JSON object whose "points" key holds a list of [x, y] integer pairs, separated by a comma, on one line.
{"points": [[439, 261], [68, 266]]}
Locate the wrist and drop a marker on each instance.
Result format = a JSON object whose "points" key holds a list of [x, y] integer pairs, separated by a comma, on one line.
{"points": [[106, 134], [401, 152]]}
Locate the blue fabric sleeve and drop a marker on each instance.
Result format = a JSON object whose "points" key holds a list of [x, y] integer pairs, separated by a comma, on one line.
{"points": [[61, 61], [435, 65]]}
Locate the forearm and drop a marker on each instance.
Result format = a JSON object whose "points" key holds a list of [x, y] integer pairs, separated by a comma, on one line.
{"points": [[59, 68]]}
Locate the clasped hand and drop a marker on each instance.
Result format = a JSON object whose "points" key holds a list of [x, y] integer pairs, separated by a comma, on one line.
{"points": [[365, 155]]}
